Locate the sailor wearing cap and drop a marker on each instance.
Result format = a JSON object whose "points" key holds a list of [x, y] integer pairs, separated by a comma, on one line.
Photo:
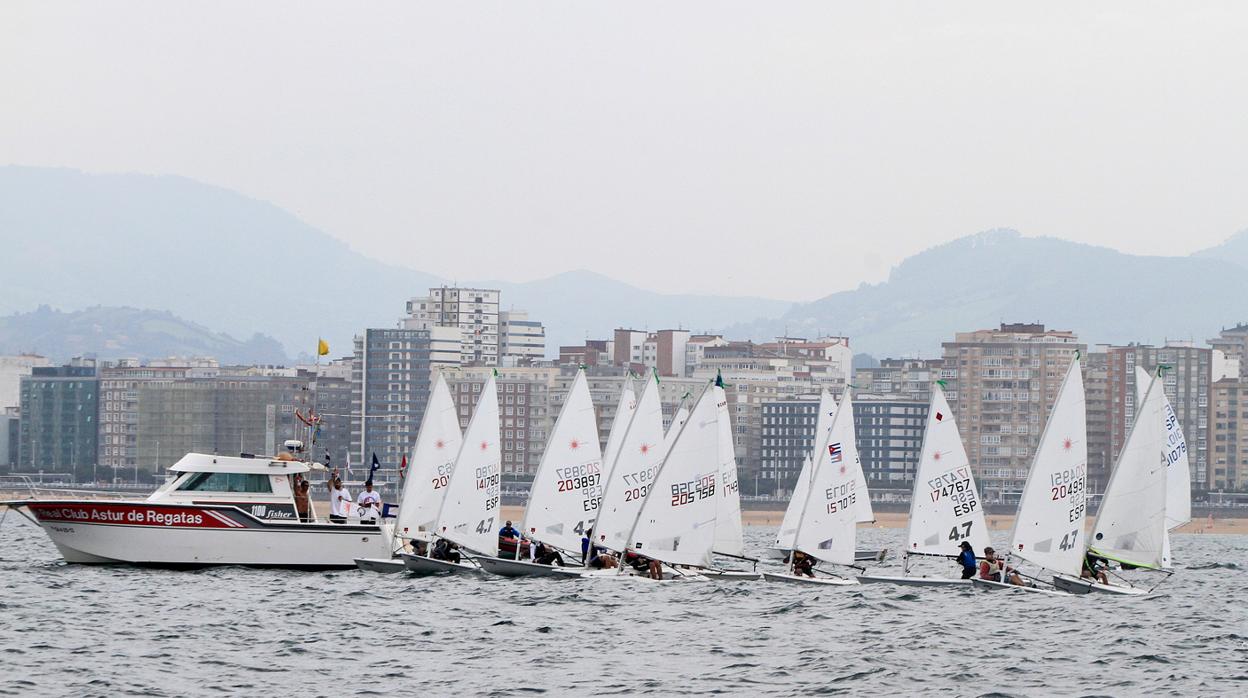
{"points": [[369, 503]]}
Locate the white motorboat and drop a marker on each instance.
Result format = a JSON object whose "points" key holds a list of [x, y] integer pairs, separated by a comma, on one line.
{"points": [[214, 510]]}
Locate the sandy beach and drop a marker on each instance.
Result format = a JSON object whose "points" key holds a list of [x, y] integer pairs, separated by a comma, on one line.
{"points": [[899, 519]]}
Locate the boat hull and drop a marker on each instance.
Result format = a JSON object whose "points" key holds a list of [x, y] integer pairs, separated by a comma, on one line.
{"points": [[194, 536], [731, 575], [1083, 586], [990, 585], [859, 555], [421, 565], [821, 581], [519, 568], [901, 580], [381, 565]]}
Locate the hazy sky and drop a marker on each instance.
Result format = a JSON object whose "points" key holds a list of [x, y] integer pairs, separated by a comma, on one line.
{"points": [[780, 149]]}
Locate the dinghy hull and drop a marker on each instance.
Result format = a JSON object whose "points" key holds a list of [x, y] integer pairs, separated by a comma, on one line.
{"points": [[1084, 586], [912, 581], [418, 564], [382, 565], [990, 585], [518, 568], [859, 555], [823, 581], [732, 575]]}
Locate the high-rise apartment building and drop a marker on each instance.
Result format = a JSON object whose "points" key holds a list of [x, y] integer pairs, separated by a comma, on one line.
{"points": [[912, 378], [58, 428], [1001, 385], [890, 436], [523, 339], [119, 403], [12, 370], [474, 311], [233, 412], [1233, 343], [1097, 397], [391, 376], [1187, 377], [1228, 432], [524, 407]]}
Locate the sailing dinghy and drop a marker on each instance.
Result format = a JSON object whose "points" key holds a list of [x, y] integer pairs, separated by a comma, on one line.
{"points": [[469, 513], [1131, 522], [1178, 467], [783, 544], [1049, 528], [945, 509], [729, 530], [827, 525], [566, 490], [429, 472], [677, 523]]}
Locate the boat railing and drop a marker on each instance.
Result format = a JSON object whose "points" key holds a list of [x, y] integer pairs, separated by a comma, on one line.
{"points": [[23, 486]]}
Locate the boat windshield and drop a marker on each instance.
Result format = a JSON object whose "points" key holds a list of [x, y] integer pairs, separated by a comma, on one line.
{"points": [[227, 482]]}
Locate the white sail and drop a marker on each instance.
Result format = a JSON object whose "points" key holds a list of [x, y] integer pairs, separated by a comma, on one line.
{"points": [[619, 424], [432, 462], [1049, 529], [1178, 467], [945, 508], [632, 474], [678, 421], [1131, 523], [676, 523], [470, 511], [828, 528], [793, 512], [567, 486], [729, 534]]}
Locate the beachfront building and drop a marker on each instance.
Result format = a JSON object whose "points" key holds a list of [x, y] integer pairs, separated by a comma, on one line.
{"points": [[1001, 385]]}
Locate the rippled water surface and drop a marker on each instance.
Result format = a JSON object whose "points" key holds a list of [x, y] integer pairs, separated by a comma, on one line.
{"points": [[79, 630]]}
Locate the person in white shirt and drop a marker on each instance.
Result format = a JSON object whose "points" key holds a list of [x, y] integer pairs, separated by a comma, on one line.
{"points": [[339, 499], [369, 504]]}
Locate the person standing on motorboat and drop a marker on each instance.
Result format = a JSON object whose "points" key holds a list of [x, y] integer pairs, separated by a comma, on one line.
{"points": [[303, 500], [966, 558], [369, 504], [339, 501]]}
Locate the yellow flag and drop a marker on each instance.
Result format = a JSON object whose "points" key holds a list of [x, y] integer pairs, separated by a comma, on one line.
{"points": [[322, 347]]}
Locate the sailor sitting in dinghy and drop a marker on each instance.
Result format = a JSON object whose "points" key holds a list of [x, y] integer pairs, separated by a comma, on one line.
{"points": [[994, 569]]}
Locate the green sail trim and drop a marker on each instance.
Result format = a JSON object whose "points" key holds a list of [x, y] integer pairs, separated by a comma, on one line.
{"points": [[1121, 561]]}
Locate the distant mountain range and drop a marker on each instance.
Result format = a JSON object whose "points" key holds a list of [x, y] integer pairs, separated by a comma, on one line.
{"points": [[111, 333], [979, 281], [113, 243], [77, 240]]}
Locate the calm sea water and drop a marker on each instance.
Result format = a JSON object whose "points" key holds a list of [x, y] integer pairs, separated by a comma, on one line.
{"points": [[78, 630]]}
